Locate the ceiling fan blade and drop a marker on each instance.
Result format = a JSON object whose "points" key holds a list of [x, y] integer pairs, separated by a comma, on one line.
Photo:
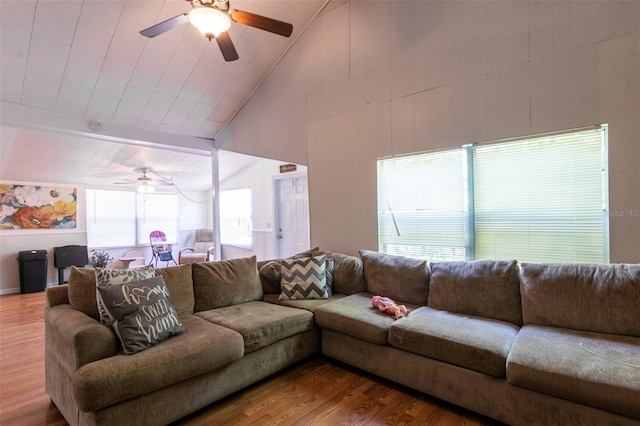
{"points": [[165, 26], [262, 22], [226, 47]]}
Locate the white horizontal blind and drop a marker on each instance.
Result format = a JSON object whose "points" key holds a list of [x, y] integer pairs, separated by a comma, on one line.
{"points": [[541, 199], [155, 211], [421, 205], [111, 218]]}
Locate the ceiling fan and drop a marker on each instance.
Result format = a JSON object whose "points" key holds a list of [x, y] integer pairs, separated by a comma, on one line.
{"points": [[213, 19], [146, 181]]}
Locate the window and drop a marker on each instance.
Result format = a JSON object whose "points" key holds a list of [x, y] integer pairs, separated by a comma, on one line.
{"points": [[540, 199], [235, 217], [125, 218], [156, 212], [421, 209]]}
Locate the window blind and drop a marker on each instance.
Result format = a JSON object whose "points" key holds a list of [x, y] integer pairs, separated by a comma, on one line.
{"points": [[111, 218], [155, 211], [539, 199], [421, 205], [542, 199]]}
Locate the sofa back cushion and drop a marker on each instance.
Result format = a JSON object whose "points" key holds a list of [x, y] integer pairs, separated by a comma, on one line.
{"points": [[225, 283], [400, 278], [180, 286], [483, 288], [82, 291], [348, 274], [588, 297], [270, 273]]}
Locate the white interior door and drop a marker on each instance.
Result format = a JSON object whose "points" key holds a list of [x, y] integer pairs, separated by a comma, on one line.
{"points": [[292, 228]]}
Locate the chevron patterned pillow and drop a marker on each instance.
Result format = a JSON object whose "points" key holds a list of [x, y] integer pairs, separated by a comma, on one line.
{"points": [[304, 278]]}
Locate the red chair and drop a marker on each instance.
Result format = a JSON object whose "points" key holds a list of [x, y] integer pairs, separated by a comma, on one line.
{"points": [[160, 249]]}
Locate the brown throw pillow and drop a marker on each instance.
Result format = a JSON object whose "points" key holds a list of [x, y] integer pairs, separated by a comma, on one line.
{"points": [[143, 315]]}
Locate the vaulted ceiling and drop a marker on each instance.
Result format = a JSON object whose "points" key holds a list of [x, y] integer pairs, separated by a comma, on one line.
{"points": [[86, 60]]}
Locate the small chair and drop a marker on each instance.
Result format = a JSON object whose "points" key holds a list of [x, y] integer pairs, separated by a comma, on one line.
{"points": [[202, 249], [160, 249]]}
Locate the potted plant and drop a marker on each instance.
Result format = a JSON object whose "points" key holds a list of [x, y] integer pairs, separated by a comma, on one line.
{"points": [[100, 259]]}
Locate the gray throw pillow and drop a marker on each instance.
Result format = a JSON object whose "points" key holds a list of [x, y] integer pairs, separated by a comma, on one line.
{"points": [[397, 277], [142, 313], [106, 277], [304, 278]]}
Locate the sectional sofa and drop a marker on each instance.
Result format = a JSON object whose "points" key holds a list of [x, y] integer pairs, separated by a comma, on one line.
{"points": [[521, 343]]}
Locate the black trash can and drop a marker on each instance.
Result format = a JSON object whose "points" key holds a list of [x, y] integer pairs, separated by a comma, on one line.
{"points": [[33, 270]]}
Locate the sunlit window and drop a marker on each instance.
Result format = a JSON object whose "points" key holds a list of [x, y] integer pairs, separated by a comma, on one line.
{"points": [[537, 199], [126, 218]]}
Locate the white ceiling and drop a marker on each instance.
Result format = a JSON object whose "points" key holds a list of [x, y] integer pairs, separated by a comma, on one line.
{"points": [[50, 157], [85, 59]]}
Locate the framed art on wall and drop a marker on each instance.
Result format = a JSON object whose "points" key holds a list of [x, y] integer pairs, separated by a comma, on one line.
{"points": [[32, 207]]}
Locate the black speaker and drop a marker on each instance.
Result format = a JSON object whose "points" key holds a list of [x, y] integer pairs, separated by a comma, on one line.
{"points": [[66, 256]]}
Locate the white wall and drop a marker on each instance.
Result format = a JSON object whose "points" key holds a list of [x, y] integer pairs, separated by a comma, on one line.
{"points": [[377, 78], [259, 177], [192, 216]]}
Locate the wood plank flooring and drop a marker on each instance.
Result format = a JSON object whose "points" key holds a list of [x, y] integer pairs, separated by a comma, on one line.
{"points": [[316, 391]]}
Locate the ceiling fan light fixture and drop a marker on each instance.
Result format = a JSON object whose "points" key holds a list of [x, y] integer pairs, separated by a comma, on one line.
{"points": [[209, 21], [146, 189]]}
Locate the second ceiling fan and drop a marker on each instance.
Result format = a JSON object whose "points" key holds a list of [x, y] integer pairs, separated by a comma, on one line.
{"points": [[213, 19]]}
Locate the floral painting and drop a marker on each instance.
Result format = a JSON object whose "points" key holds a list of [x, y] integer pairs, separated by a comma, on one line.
{"points": [[31, 207]]}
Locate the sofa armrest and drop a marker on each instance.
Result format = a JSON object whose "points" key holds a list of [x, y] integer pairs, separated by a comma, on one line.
{"points": [[58, 295], [76, 339]]}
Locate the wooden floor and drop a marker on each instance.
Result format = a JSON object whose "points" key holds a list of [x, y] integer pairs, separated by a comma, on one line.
{"points": [[317, 391]]}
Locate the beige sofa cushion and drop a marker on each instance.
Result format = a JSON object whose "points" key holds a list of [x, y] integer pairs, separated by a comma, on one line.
{"points": [[261, 323], [205, 347], [180, 284], [479, 344], [353, 315], [483, 288], [403, 279], [306, 304], [599, 298], [224, 283], [601, 370]]}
